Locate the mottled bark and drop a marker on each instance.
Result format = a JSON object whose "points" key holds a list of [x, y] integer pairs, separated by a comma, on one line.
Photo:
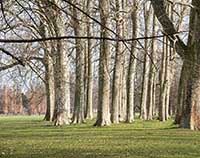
{"points": [[181, 94], [79, 104], [132, 65], [117, 66], [62, 87], [191, 110], [61, 73], [103, 114], [189, 88]]}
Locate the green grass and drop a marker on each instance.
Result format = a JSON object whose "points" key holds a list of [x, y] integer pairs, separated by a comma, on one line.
{"points": [[29, 137]]}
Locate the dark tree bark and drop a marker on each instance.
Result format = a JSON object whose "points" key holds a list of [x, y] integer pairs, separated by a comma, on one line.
{"points": [[189, 88]]}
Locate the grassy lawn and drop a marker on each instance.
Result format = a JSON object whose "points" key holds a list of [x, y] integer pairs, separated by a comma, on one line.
{"points": [[29, 137]]}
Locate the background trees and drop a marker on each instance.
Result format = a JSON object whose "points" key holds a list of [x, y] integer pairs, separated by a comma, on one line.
{"points": [[125, 51]]}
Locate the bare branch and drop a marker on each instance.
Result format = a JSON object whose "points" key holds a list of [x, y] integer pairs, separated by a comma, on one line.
{"points": [[85, 37], [8, 66], [11, 55], [168, 26]]}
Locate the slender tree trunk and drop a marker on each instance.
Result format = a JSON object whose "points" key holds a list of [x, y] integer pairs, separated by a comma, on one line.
{"points": [[181, 95], [103, 114], [117, 66], [79, 105], [162, 99], [49, 72], [132, 66], [168, 72], [165, 80], [123, 73], [168, 82], [152, 75], [146, 70], [123, 92], [86, 64], [89, 97], [46, 60], [49, 75]]}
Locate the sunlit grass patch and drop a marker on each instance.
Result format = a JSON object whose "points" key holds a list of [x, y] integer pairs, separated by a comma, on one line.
{"points": [[23, 137]]}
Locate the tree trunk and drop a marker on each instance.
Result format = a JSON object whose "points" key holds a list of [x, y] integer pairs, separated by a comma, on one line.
{"points": [[162, 99], [49, 75], [89, 95], [146, 70], [132, 66], [123, 92], [168, 82], [168, 71], [61, 74], [181, 94], [123, 73], [117, 66], [62, 88], [165, 81], [152, 75], [79, 104], [103, 114], [190, 117], [48, 59]]}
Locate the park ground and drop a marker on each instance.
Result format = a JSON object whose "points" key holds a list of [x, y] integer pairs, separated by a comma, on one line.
{"points": [[30, 137]]}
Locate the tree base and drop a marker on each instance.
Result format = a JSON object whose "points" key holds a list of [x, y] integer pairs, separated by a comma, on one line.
{"points": [[102, 123], [61, 119]]}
